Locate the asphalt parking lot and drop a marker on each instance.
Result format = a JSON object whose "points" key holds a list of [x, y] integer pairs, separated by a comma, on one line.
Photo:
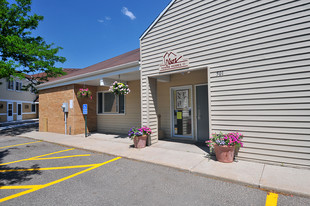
{"points": [[36, 173]]}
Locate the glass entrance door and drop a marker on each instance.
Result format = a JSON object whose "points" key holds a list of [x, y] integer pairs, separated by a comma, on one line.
{"points": [[10, 112], [19, 111], [182, 119]]}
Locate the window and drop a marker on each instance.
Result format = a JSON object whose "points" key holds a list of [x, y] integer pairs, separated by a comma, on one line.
{"points": [[18, 86], [10, 110], [33, 108], [100, 108], [11, 84], [110, 103]]}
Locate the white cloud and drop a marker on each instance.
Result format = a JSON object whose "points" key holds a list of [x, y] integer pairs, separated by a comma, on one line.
{"points": [[128, 13], [106, 18]]}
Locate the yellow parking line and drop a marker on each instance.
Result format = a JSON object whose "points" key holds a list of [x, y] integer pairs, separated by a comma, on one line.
{"points": [[272, 199], [62, 157], [37, 187], [49, 168], [78, 173], [52, 153], [19, 144], [18, 187], [19, 194], [36, 157]]}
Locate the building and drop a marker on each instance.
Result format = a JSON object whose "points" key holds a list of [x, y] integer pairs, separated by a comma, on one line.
{"points": [[205, 66], [254, 58], [17, 104], [106, 113]]}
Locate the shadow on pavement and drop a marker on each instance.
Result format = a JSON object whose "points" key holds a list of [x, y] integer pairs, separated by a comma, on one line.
{"points": [[14, 177], [19, 130]]}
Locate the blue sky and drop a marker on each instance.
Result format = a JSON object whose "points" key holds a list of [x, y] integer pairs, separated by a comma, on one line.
{"points": [[91, 31]]}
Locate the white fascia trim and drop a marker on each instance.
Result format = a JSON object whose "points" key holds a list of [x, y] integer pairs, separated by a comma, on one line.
{"points": [[99, 76], [81, 77], [157, 19], [17, 101]]}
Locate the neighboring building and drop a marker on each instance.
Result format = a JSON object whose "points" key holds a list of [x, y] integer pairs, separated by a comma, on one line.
{"points": [[16, 104], [205, 66], [106, 113], [254, 58]]}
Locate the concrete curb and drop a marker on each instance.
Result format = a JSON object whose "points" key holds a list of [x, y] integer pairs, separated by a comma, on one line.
{"points": [[257, 180]]}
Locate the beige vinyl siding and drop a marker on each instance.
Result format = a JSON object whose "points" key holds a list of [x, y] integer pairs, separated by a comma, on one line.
{"points": [[14, 95], [262, 48], [121, 123]]}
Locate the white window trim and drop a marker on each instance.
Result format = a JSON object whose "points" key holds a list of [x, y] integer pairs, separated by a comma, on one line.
{"points": [[29, 113], [13, 85], [19, 103], [7, 111], [109, 113], [20, 86], [12, 100]]}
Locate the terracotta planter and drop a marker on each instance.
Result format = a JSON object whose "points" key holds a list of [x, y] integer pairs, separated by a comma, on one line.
{"points": [[140, 141], [224, 153]]}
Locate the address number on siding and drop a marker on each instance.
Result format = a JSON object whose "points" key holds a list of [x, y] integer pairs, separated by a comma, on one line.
{"points": [[219, 73]]}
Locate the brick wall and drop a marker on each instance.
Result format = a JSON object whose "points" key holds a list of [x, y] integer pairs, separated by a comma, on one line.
{"points": [[52, 117], [78, 113]]}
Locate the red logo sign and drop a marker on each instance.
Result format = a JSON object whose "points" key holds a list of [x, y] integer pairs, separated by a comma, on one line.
{"points": [[172, 61]]}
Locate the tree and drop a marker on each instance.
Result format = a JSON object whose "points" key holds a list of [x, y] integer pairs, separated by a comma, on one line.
{"points": [[21, 53]]}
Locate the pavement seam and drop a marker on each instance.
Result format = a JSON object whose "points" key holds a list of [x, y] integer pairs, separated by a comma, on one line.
{"points": [[191, 169], [261, 176]]}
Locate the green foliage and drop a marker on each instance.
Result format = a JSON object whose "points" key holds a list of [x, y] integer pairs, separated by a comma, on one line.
{"points": [[20, 52]]}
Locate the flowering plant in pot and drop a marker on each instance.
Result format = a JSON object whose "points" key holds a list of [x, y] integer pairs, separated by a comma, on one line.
{"points": [[139, 136], [119, 88], [84, 93], [225, 145]]}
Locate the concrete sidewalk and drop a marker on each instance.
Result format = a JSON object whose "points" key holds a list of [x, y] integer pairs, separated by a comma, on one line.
{"points": [[190, 158]]}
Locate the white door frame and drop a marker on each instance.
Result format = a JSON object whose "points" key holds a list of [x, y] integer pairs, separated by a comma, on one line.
{"points": [[9, 118], [196, 120], [172, 112], [19, 117]]}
